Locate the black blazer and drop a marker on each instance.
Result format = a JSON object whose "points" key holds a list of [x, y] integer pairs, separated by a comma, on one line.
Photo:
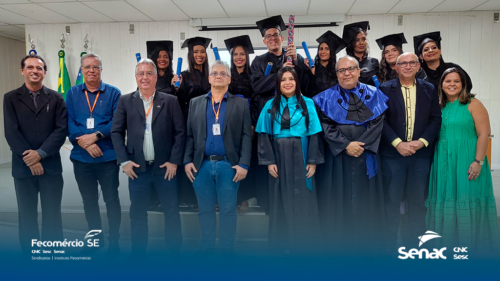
{"points": [[28, 128], [427, 117], [237, 131], [169, 132]]}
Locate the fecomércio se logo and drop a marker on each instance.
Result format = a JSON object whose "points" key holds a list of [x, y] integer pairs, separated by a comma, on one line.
{"points": [[430, 254]]}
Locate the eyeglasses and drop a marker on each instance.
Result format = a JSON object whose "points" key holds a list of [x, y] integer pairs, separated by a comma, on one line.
{"points": [[221, 74], [406, 63], [272, 36], [88, 67], [147, 74], [350, 69]]}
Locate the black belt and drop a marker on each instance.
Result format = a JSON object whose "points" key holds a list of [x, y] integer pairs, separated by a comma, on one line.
{"points": [[214, 157]]}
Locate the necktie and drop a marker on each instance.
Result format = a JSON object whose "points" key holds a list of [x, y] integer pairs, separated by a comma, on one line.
{"points": [[35, 101]]}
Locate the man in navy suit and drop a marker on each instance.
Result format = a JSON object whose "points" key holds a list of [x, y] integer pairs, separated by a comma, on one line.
{"points": [[36, 127], [411, 126]]}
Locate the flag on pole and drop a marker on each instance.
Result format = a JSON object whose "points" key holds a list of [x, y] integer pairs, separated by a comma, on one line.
{"points": [[80, 79], [63, 83]]}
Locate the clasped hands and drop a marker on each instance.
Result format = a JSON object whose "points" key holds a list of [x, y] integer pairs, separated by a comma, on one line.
{"points": [[409, 148]]}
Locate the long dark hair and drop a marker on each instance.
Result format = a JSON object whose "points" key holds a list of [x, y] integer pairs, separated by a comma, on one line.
{"points": [[385, 69], [192, 63], [350, 48], [277, 98], [464, 97], [330, 68], [169, 72], [246, 68]]}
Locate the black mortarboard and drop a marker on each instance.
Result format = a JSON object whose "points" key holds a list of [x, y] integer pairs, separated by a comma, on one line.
{"points": [[351, 30], [195, 41], [155, 46], [272, 22], [417, 40], [243, 40], [333, 41], [393, 39]]}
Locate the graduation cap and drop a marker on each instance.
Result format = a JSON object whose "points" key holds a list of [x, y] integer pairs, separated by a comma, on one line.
{"points": [[419, 39], [195, 41], [243, 40], [351, 30], [333, 41], [272, 22], [156, 46], [393, 39]]}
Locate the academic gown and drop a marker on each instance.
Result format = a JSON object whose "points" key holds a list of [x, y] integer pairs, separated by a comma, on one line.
{"points": [[369, 67], [351, 194], [240, 86], [290, 144], [434, 76], [187, 91], [164, 84], [322, 80]]}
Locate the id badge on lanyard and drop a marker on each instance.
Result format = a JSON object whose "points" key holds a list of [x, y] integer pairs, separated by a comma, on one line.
{"points": [[90, 121]]}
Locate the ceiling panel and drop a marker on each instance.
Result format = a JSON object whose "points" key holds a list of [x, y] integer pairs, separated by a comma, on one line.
{"points": [[38, 13], [489, 6], [52, 1], [15, 2], [412, 6], [363, 7], [201, 8], [458, 6], [12, 30], [290, 7], [12, 18], [118, 10], [159, 10], [325, 7], [242, 8], [77, 11]]}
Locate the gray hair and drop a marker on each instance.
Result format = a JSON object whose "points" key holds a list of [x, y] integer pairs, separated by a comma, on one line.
{"points": [[91, 55], [407, 53], [348, 58], [146, 61], [220, 63]]}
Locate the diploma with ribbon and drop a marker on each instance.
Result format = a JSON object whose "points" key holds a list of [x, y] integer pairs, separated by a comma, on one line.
{"points": [[179, 67], [216, 53], [306, 50], [291, 26], [268, 68], [375, 80], [138, 56]]}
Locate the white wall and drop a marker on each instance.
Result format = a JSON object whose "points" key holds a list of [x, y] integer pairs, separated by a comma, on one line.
{"points": [[11, 53], [470, 39]]}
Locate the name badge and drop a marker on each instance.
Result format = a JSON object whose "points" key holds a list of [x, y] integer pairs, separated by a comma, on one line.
{"points": [[216, 129], [147, 127], [90, 123]]}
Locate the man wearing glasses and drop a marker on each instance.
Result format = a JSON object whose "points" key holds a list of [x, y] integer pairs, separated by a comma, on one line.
{"points": [[151, 122], [411, 126], [351, 202], [91, 106], [217, 157]]}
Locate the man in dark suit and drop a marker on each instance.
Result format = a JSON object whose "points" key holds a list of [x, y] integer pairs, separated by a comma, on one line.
{"points": [[411, 126], [153, 125], [218, 147], [36, 127]]}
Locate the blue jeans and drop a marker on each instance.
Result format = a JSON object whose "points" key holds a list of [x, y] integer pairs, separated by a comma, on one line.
{"points": [[214, 183], [140, 197]]}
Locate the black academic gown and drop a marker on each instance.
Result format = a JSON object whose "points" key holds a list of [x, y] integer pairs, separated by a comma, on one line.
{"points": [[434, 76], [322, 81], [240, 85], [164, 84], [351, 205], [369, 67]]}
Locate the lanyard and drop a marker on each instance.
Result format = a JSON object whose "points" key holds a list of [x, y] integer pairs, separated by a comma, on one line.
{"points": [[95, 101], [213, 108], [149, 109]]}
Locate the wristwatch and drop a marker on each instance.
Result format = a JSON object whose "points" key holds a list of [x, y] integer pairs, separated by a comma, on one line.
{"points": [[479, 162], [99, 135]]}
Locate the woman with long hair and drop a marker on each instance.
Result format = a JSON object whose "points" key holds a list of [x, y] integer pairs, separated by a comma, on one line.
{"points": [[160, 52], [355, 36], [428, 49], [324, 63], [289, 146], [461, 205]]}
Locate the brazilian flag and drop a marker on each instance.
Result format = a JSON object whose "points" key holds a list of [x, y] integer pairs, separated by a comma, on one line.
{"points": [[63, 83], [79, 78]]}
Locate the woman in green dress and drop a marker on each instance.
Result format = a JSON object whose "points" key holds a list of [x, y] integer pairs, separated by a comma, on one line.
{"points": [[461, 205]]}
